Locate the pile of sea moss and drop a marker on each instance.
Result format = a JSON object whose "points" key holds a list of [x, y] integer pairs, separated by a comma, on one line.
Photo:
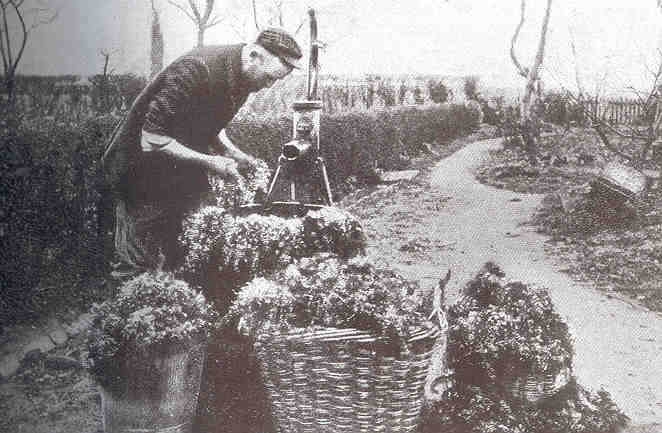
{"points": [[501, 324]]}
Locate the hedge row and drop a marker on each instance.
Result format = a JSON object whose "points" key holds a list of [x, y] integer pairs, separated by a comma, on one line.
{"points": [[52, 207], [354, 144], [56, 221]]}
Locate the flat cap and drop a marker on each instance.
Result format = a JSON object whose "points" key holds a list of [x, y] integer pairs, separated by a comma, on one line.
{"points": [[280, 43]]}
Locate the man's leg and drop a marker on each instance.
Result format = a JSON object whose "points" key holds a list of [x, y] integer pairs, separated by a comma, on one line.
{"points": [[137, 245], [232, 394]]}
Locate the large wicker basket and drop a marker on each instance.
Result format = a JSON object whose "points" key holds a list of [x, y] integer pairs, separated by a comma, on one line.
{"points": [[341, 380]]}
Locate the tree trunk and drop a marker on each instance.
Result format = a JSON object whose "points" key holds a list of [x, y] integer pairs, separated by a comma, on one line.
{"points": [[10, 87], [529, 123], [201, 37], [157, 46]]}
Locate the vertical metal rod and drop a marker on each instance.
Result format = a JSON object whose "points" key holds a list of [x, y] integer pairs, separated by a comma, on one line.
{"points": [[312, 61], [325, 178], [293, 194]]}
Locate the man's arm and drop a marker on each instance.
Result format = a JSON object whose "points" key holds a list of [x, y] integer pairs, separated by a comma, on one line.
{"points": [[182, 81], [151, 142], [226, 147]]}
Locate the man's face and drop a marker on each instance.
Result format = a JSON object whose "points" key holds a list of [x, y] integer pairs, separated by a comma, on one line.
{"points": [[267, 70]]}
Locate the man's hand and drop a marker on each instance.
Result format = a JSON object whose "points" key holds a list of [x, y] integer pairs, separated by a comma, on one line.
{"points": [[245, 162], [224, 144], [220, 165], [225, 167]]}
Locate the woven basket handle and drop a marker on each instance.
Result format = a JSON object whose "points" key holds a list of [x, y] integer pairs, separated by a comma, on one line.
{"points": [[437, 301]]}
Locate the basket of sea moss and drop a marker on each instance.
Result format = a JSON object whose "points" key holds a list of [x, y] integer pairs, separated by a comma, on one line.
{"points": [[507, 335], [344, 346], [512, 356]]}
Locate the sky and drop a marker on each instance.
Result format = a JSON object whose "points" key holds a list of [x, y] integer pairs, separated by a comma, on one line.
{"points": [[616, 42]]}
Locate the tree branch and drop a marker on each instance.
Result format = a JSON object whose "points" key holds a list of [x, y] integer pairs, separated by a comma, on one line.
{"points": [[15, 3], [540, 55], [216, 20], [209, 7], [279, 12], [598, 124], [255, 16], [236, 30], [36, 12], [300, 26], [181, 8], [4, 30], [580, 87], [637, 94], [196, 12], [10, 58], [522, 71]]}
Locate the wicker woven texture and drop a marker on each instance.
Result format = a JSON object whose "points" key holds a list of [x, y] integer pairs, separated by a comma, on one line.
{"points": [[533, 387], [336, 380]]}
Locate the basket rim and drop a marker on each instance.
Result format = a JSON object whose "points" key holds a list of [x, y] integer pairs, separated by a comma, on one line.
{"points": [[332, 334]]}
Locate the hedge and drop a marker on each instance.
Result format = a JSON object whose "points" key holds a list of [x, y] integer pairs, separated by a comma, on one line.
{"points": [[56, 221], [51, 223], [355, 143]]}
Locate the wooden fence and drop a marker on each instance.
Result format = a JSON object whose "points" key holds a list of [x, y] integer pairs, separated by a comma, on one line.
{"points": [[620, 111]]}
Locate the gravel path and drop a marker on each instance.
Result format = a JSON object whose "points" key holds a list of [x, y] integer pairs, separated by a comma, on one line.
{"points": [[449, 220]]}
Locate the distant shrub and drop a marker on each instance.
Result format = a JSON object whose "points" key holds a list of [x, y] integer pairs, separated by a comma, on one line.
{"points": [[386, 93], [556, 108], [493, 110], [439, 93], [561, 110], [71, 94], [470, 88], [402, 92], [419, 98], [129, 86], [475, 107]]}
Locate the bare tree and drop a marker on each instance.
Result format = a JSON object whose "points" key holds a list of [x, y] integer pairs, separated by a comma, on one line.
{"points": [[532, 75], [292, 15], [156, 41], [202, 18], [14, 32], [255, 20], [105, 91], [646, 131], [273, 13]]}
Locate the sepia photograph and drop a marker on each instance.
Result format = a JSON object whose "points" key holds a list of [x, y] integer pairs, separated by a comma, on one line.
{"points": [[303, 216]]}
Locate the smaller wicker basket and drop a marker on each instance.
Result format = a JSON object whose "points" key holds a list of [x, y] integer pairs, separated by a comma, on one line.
{"points": [[340, 380], [619, 179], [532, 387]]}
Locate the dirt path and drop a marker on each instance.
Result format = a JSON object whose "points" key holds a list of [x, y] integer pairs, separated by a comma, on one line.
{"points": [[446, 219]]}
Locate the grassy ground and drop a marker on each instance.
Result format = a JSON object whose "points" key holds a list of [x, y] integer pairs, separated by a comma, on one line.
{"points": [[616, 247], [44, 397]]}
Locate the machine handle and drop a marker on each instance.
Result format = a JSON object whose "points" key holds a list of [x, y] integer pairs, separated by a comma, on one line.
{"points": [[313, 60]]}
